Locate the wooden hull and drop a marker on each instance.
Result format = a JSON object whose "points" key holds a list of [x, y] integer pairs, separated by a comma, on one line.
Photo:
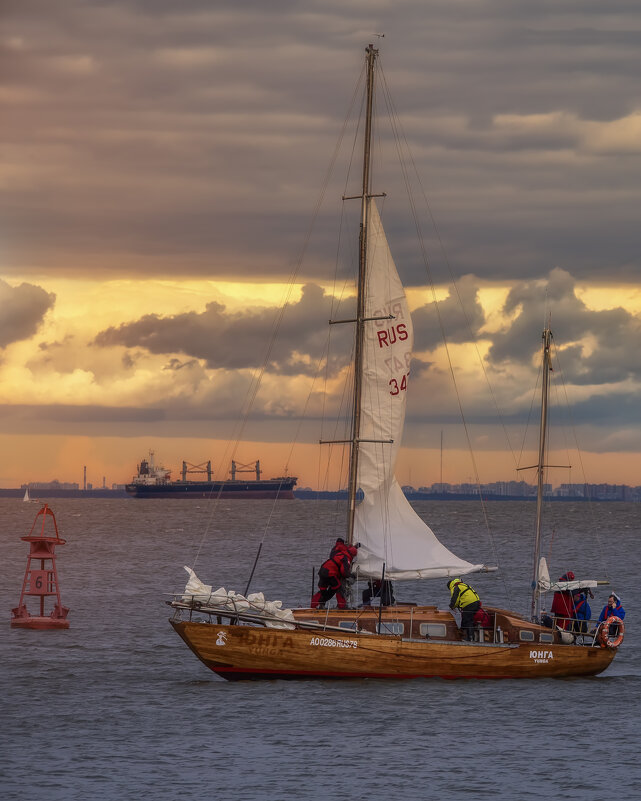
{"points": [[247, 652]]}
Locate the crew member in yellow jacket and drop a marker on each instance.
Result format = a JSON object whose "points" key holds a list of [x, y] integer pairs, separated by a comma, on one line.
{"points": [[468, 601]]}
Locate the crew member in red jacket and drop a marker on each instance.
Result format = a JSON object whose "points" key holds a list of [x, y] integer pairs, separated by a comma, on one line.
{"points": [[332, 573], [563, 604]]}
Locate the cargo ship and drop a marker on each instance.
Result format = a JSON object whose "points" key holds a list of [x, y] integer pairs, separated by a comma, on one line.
{"points": [[154, 481]]}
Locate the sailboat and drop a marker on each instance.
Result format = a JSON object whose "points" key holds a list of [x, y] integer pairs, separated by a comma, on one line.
{"points": [[26, 498], [243, 637]]}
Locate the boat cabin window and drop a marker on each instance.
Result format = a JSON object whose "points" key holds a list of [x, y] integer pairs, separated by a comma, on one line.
{"points": [[347, 624], [546, 637], [433, 629], [527, 636], [387, 627]]}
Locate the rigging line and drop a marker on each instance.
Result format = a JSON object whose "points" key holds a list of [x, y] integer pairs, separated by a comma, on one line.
{"points": [[257, 376], [301, 258], [539, 376], [298, 265], [594, 527], [396, 128], [473, 338], [544, 472], [337, 297]]}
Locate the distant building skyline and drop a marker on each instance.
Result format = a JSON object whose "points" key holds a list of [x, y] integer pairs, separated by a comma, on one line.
{"points": [[584, 490]]}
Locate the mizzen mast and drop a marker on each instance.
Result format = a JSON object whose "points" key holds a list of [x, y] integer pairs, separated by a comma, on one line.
{"points": [[540, 467]]}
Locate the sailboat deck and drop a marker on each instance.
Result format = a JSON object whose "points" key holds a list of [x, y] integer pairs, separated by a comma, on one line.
{"points": [[412, 622]]}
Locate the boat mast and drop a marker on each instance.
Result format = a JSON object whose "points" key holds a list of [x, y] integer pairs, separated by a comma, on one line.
{"points": [[372, 53], [540, 468]]}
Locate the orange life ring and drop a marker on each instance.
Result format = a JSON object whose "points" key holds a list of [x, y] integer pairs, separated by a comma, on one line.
{"points": [[606, 640]]}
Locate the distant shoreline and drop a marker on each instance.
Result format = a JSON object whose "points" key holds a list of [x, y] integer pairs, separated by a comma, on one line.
{"points": [[306, 495]]}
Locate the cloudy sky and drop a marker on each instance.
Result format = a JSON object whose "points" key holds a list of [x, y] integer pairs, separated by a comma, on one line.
{"points": [[162, 164]]}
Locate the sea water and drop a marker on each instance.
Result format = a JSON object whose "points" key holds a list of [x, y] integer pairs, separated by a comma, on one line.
{"points": [[117, 707]]}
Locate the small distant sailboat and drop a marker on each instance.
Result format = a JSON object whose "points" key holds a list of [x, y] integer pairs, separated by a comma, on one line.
{"points": [[26, 498]]}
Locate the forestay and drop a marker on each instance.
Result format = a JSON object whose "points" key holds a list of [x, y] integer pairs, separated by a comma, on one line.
{"points": [[389, 530]]}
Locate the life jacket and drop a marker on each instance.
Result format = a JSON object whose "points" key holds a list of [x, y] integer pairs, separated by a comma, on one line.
{"points": [[466, 595], [614, 611], [582, 609], [482, 619], [331, 572]]}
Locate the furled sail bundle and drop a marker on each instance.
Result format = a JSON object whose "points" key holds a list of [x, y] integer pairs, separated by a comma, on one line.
{"points": [[389, 530]]}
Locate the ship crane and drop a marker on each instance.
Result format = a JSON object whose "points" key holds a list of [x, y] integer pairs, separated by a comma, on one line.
{"points": [[245, 468], [203, 468]]}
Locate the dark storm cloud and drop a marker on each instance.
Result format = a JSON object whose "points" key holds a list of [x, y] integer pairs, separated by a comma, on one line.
{"points": [[22, 309], [461, 315], [150, 137], [237, 340], [16, 415], [613, 335]]}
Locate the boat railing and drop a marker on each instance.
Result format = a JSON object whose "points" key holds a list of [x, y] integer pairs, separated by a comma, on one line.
{"points": [[236, 616]]}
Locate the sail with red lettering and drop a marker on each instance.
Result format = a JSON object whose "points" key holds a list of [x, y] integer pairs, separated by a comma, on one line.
{"points": [[389, 530]]}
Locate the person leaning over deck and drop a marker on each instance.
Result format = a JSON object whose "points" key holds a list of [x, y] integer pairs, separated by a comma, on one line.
{"points": [[467, 600], [332, 573]]}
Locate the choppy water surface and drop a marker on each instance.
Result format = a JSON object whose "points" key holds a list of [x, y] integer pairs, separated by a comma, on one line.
{"points": [[118, 708]]}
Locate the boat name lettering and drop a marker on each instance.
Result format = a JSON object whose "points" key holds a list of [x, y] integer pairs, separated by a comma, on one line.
{"points": [[326, 642], [541, 657], [389, 336], [268, 640]]}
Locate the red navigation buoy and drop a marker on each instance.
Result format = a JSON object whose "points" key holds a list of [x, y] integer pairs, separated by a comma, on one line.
{"points": [[41, 581]]}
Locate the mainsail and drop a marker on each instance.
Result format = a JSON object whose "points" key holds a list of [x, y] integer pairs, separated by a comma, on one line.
{"points": [[389, 530]]}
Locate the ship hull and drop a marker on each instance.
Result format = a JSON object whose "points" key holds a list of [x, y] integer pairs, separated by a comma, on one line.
{"points": [[244, 652], [226, 490]]}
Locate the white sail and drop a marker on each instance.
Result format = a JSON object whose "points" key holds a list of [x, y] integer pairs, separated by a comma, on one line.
{"points": [[26, 498], [389, 530]]}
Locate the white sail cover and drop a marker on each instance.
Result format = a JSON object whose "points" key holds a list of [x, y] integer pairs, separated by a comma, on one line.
{"points": [[229, 601], [545, 585], [388, 529]]}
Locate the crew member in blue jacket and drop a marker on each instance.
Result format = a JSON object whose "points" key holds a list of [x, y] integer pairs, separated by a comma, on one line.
{"points": [[613, 608], [582, 612]]}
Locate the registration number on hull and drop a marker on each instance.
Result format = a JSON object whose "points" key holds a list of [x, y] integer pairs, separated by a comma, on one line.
{"points": [[327, 642]]}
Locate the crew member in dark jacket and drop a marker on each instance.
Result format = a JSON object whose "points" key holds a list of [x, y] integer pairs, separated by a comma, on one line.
{"points": [[332, 573], [379, 589], [467, 600]]}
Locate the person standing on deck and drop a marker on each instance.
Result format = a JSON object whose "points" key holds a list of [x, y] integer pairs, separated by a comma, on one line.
{"points": [[582, 611], [562, 608], [332, 573], [379, 589], [468, 601]]}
